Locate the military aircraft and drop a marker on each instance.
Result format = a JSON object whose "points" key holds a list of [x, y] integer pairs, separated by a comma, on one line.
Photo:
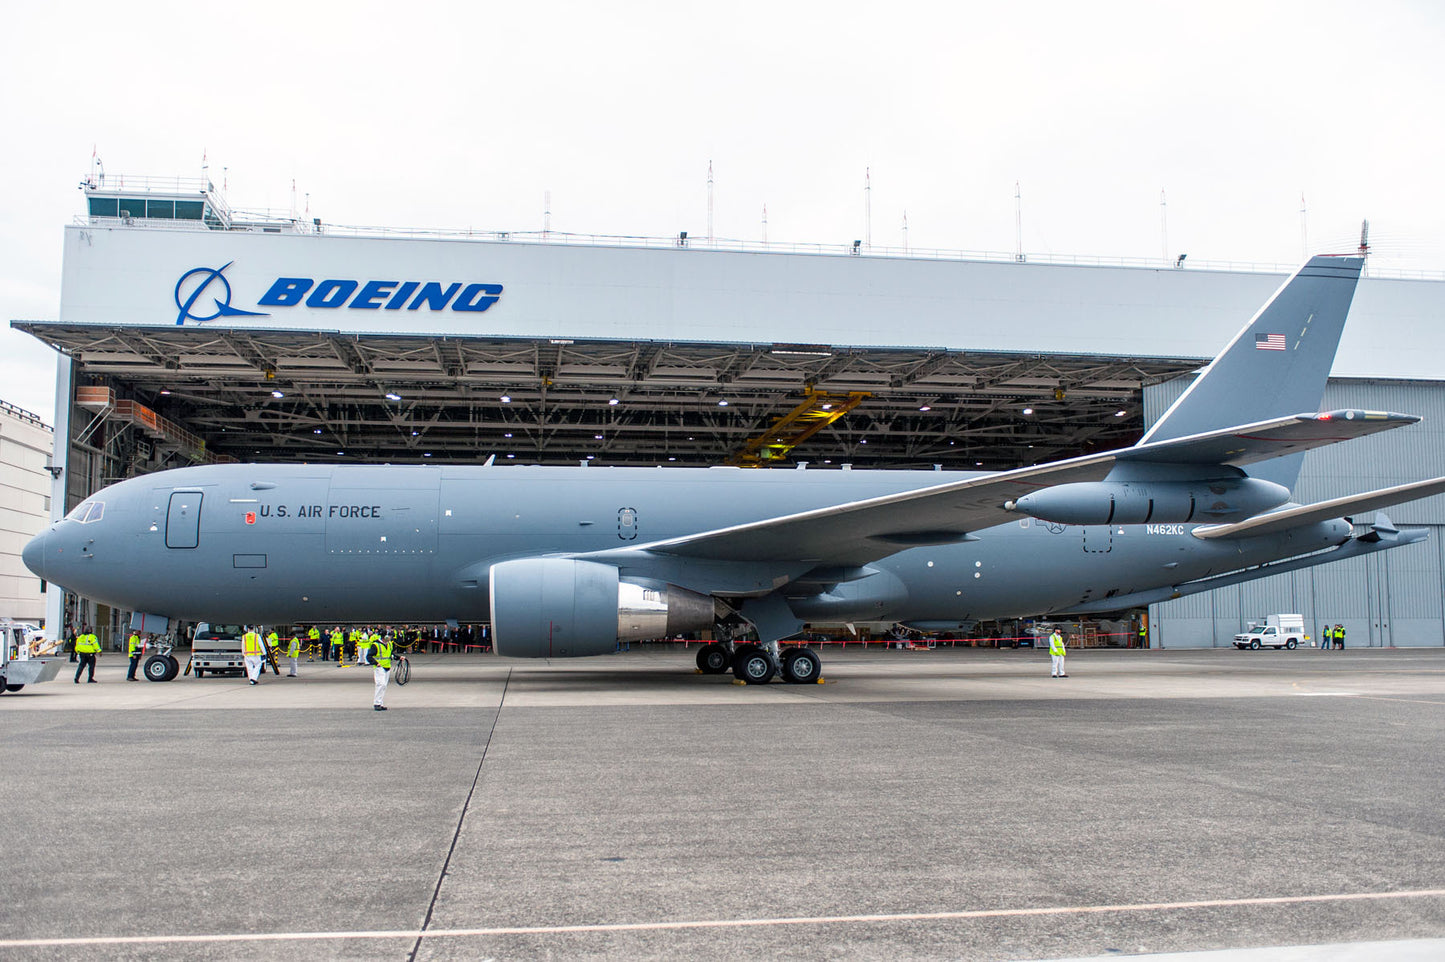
{"points": [[568, 561]]}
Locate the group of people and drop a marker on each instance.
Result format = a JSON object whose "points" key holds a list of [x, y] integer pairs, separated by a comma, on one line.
{"points": [[85, 649], [372, 645], [1333, 637]]}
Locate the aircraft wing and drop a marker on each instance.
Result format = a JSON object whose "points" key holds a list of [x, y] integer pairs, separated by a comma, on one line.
{"points": [[1275, 521], [1249, 443], [863, 531]]}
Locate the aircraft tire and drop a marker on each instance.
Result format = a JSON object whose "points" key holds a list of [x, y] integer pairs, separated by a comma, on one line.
{"points": [[1291, 644], [156, 668], [175, 667], [13, 687], [752, 664], [801, 666], [1254, 645], [712, 659]]}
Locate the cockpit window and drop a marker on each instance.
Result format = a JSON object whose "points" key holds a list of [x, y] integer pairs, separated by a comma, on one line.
{"points": [[87, 512]]}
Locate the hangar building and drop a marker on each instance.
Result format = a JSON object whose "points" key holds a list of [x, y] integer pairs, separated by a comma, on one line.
{"points": [[190, 332]]}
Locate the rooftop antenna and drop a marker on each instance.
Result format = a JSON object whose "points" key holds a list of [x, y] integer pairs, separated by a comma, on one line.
{"points": [[1163, 227], [1364, 238], [1018, 223], [1304, 233], [905, 232], [868, 206], [709, 202], [546, 214], [765, 224]]}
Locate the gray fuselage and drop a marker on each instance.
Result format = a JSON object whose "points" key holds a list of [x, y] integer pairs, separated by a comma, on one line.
{"points": [[282, 544]]}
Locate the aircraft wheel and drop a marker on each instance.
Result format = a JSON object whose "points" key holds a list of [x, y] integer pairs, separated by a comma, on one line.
{"points": [[801, 666], [753, 665], [1291, 644], [712, 659], [175, 667], [1254, 645], [13, 687], [156, 668]]}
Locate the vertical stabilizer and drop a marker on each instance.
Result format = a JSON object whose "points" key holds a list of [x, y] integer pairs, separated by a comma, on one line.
{"points": [[1277, 365]]}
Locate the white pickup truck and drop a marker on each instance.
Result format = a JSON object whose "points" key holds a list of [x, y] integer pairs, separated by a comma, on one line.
{"points": [[1277, 631]]}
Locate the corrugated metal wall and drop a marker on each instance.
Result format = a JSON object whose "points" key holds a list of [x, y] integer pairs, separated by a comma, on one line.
{"points": [[1396, 597]]}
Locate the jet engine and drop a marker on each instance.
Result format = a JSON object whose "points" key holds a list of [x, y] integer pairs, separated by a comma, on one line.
{"points": [[1142, 502], [562, 607]]}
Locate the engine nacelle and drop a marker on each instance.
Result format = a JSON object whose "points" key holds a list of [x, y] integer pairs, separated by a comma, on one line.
{"points": [[1142, 502], [561, 607]]}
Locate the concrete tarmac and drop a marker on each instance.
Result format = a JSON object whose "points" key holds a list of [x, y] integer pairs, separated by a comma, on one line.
{"points": [[953, 804]]}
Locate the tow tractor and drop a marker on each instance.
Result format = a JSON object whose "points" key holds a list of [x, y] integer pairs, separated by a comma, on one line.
{"points": [[20, 663]]}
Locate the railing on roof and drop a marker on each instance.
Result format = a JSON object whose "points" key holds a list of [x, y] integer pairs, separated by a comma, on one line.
{"points": [[24, 415], [276, 222]]}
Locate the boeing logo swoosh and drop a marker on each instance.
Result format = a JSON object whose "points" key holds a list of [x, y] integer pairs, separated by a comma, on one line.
{"points": [[208, 276]]}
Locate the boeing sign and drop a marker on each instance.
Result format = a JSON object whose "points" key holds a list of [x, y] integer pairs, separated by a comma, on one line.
{"points": [[356, 295], [197, 281], [383, 295]]}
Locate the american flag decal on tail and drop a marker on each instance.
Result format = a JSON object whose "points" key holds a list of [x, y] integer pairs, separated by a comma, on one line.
{"points": [[1269, 342]]}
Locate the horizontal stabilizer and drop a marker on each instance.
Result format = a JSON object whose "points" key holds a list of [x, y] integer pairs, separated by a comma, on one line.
{"points": [[1301, 515], [1382, 536]]}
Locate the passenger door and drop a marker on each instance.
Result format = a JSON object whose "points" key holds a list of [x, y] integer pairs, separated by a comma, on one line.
{"points": [[183, 520]]}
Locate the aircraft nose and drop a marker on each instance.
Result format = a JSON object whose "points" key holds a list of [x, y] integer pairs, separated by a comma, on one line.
{"points": [[34, 554]]}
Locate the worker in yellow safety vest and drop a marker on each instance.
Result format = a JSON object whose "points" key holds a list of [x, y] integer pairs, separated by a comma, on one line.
{"points": [[313, 638], [1056, 655], [337, 640], [293, 651], [133, 649], [365, 639], [273, 641], [381, 673], [87, 648], [252, 652]]}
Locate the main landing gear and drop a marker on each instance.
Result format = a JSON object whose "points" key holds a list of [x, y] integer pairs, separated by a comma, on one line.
{"points": [[757, 664]]}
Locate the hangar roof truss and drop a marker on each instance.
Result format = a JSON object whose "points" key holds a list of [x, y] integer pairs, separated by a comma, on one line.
{"points": [[401, 398]]}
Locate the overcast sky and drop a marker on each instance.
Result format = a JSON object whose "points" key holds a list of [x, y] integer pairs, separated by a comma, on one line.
{"points": [[467, 114]]}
